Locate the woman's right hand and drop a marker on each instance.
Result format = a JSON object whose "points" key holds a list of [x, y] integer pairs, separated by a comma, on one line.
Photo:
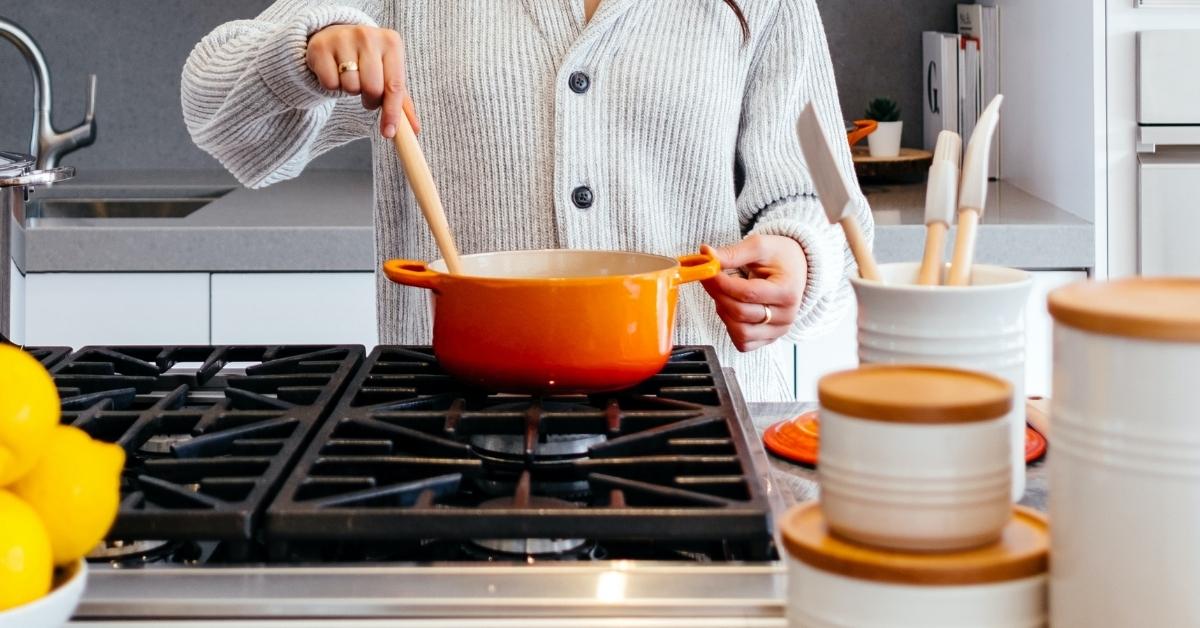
{"points": [[380, 78]]}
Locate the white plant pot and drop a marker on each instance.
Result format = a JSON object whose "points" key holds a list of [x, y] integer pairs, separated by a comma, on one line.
{"points": [[885, 141], [978, 327]]}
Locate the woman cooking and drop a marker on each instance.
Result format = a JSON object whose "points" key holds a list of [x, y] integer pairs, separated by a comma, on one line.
{"points": [[639, 125]]}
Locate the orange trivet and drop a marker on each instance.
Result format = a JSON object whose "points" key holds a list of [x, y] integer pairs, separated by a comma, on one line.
{"points": [[796, 439], [799, 440]]}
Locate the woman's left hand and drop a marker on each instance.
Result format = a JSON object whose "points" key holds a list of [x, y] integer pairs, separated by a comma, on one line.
{"points": [[759, 309]]}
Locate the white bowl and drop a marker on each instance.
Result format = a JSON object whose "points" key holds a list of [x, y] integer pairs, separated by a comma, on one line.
{"points": [[980, 327], [915, 458], [53, 609]]}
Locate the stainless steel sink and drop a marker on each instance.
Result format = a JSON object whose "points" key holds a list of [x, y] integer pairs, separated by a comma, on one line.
{"points": [[114, 209]]}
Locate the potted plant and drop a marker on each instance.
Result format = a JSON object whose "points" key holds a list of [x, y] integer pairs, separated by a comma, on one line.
{"points": [[885, 141]]}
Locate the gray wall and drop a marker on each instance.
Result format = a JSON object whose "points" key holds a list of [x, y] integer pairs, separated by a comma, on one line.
{"points": [[137, 48]]}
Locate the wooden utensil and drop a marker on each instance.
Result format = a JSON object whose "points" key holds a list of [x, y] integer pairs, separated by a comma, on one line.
{"points": [[833, 189], [941, 198], [972, 197], [420, 179]]}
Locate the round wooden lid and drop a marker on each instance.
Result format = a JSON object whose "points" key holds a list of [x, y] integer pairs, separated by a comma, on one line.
{"points": [[916, 394], [1021, 552], [1148, 308]]}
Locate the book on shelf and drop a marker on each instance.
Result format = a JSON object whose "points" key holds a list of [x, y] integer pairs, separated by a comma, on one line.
{"points": [[941, 80], [979, 26]]}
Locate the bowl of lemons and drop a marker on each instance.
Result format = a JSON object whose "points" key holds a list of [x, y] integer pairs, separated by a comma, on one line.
{"points": [[59, 493]]}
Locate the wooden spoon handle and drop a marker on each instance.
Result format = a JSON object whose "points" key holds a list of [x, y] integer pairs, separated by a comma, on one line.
{"points": [[964, 248], [420, 179], [862, 253], [931, 264]]}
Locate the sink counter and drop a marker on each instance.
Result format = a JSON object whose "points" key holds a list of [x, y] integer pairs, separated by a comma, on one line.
{"points": [[321, 222], [318, 222]]}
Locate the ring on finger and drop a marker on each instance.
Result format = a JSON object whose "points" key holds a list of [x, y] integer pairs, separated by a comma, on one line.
{"points": [[766, 314], [347, 66]]}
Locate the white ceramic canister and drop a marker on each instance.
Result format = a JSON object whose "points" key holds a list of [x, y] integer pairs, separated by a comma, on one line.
{"points": [[835, 584], [915, 457], [1125, 472], [979, 327]]}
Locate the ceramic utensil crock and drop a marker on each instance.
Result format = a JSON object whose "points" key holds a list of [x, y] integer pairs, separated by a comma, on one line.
{"points": [[979, 327]]}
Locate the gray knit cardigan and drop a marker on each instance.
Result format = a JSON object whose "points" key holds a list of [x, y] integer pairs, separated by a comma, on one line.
{"points": [[685, 135]]}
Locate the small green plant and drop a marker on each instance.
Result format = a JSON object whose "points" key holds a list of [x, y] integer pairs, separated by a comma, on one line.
{"points": [[883, 110]]}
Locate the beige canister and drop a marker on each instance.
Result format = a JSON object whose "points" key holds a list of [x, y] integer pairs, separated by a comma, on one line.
{"points": [[834, 583], [915, 457], [1125, 468]]}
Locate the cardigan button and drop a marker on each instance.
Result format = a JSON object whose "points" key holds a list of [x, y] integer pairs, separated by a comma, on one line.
{"points": [[579, 82], [582, 197]]}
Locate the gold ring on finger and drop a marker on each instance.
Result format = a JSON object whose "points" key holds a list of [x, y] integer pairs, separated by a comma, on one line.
{"points": [[347, 66], [766, 315]]}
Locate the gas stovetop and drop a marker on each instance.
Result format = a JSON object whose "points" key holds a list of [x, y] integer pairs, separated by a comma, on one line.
{"points": [[267, 481]]}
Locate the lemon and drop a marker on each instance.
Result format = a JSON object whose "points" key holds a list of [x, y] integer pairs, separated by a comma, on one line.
{"points": [[26, 568], [28, 412], [75, 489]]}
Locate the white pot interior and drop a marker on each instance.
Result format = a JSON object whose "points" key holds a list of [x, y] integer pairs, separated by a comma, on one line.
{"points": [[558, 264]]}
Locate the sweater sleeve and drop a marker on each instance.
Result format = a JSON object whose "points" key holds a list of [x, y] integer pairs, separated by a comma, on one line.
{"points": [[792, 68], [250, 101]]}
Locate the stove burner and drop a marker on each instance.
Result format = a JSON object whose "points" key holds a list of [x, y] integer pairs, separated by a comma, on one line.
{"points": [[410, 454], [128, 553], [209, 432], [555, 447], [533, 548], [163, 444]]}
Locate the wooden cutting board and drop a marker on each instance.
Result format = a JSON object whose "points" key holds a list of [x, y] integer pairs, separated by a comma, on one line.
{"points": [[911, 164]]}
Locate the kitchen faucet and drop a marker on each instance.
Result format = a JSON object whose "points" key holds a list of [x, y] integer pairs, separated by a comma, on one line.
{"points": [[47, 144]]}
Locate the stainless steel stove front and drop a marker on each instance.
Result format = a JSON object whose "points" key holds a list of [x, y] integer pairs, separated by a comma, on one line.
{"points": [[530, 594], [591, 590]]}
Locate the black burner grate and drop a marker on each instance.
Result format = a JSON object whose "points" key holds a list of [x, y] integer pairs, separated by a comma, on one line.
{"points": [[408, 455], [209, 432], [48, 356]]}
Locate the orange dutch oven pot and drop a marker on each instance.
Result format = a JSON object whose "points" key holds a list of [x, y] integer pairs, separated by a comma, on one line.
{"points": [[554, 321]]}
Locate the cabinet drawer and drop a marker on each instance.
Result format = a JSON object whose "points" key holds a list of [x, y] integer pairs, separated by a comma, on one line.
{"points": [[78, 309], [294, 308]]}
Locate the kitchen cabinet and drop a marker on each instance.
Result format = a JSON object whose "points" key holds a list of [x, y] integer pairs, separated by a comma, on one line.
{"points": [[838, 349], [16, 303], [301, 308], [1169, 213], [78, 309]]}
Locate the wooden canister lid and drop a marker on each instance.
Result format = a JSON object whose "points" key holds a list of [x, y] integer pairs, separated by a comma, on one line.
{"points": [[1021, 552], [916, 394], [1148, 308]]}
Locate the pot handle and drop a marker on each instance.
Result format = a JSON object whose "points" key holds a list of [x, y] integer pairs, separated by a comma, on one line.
{"points": [[698, 267], [862, 128], [411, 273]]}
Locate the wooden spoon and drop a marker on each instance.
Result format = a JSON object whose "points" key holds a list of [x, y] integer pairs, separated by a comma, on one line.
{"points": [[420, 179]]}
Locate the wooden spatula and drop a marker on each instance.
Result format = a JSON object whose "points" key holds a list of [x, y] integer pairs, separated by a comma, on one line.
{"points": [[972, 196], [833, 189], [941, 199], [420, 179]]}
